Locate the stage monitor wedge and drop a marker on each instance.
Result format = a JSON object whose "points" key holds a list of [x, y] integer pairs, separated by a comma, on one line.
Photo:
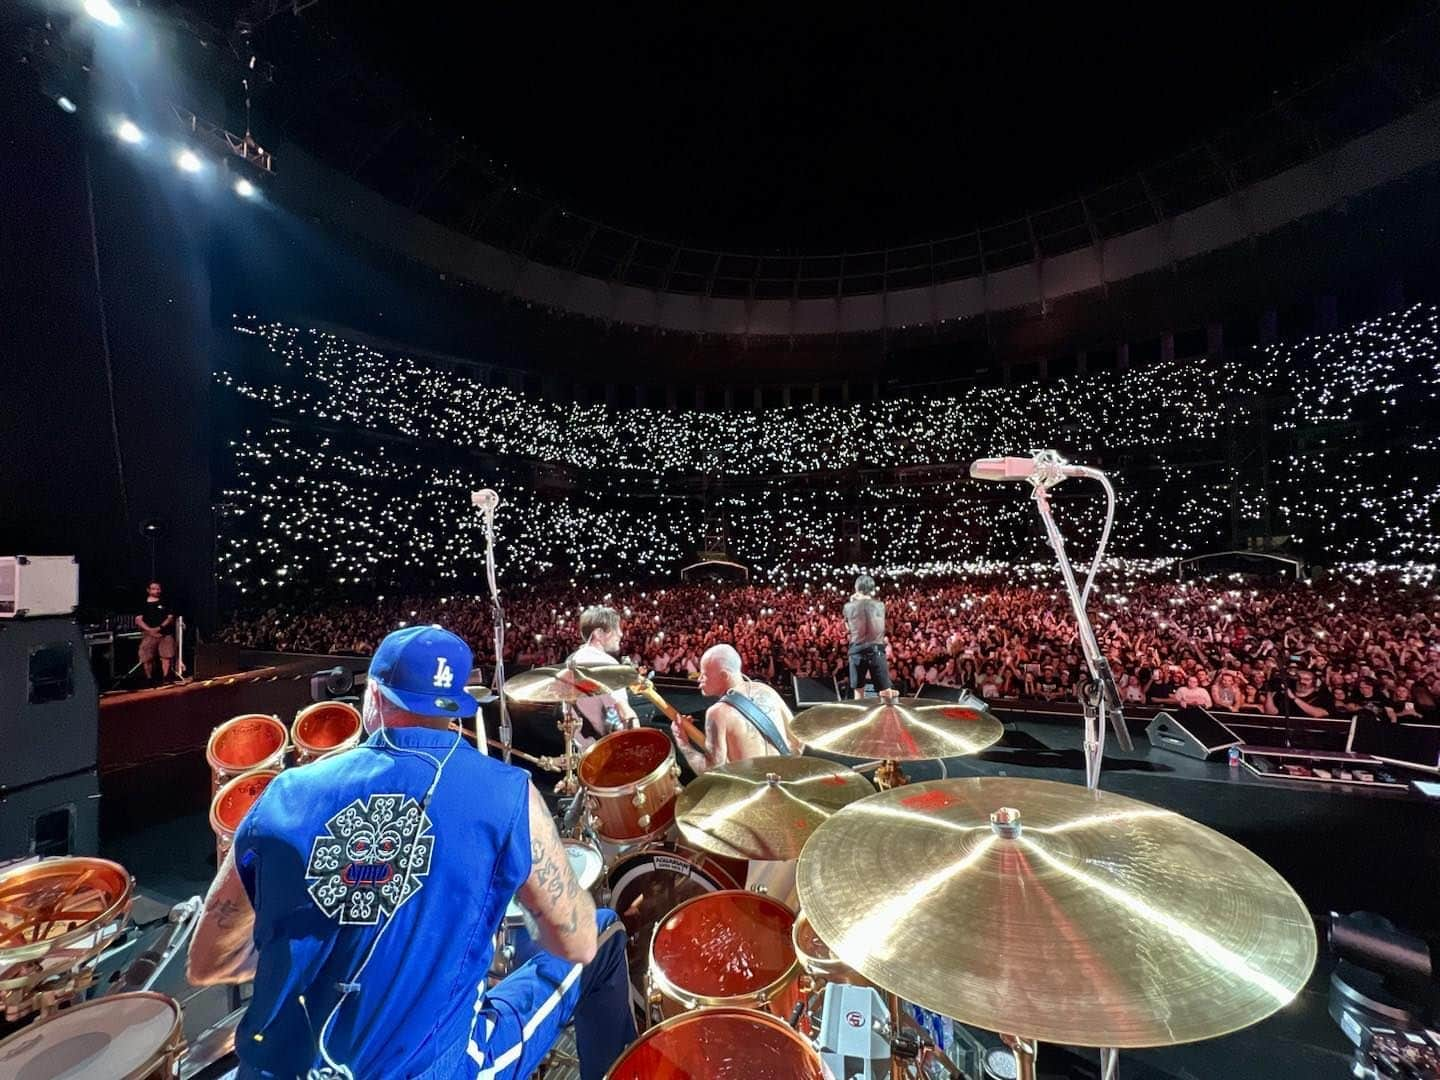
{"points": [[814, 691], [1191, 731]]}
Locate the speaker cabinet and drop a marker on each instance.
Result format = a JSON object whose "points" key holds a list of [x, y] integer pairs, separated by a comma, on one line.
{"points": [[49, 709], [1191, 731], [54, 817]]}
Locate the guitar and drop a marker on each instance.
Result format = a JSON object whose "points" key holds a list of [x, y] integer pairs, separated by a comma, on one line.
{"points": [[647, 688]]}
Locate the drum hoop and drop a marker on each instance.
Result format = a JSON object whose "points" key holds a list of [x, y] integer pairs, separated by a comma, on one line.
{"points": [[753, 1016], [215, 826], [695, 857], [117, 909], [174, 1039], [567, 842], [654, 776], [692, 1000], [815, 965], [228, 770], [308, 748]]}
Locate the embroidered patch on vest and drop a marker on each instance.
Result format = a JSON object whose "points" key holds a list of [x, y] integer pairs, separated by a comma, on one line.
{"points": [[359, 869]]}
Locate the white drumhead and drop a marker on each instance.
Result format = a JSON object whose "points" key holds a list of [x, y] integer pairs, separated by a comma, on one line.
{"points": [[111, 1037], [586, 862]]}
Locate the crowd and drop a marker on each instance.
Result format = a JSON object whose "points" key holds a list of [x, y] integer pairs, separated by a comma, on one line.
{"points": [[1353, 640]]}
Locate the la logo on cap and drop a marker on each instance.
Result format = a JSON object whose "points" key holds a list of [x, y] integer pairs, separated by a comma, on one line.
{"points": [[444, 677]]}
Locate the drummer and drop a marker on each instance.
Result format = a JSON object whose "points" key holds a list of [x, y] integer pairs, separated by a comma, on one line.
{"points": [[600, 636], [750, 720], [363, 893]]}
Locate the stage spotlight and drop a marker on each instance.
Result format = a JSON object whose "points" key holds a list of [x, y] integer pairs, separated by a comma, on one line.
{"points": [[103, 11], [188, 161], [244, 188], [126, 131], [66, 105]]}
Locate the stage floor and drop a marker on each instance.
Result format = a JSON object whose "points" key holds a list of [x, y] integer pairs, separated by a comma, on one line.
{"points": [[1342, 851]]}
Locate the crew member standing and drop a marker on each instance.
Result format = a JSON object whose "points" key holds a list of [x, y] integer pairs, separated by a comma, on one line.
{"points": [[600, 635], [363, 893], [865, 621], [157, 633]]}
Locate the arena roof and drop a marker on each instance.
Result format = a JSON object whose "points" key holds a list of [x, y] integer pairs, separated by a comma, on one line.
{"points": [[792, 156]]}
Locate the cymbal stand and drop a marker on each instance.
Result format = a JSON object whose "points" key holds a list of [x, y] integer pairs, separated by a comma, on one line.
{"points": [[888, 773], [569, 725], [1024, 1051]]}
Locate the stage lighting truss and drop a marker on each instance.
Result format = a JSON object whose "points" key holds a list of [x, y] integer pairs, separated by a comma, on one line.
{"points": [[217, 138]]}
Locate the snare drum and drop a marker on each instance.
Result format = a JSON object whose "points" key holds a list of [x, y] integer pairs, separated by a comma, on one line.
{"points": [[646, 885], [121, 1037], [630, 783], [513, 944], [727, 948], [719, 1044]]}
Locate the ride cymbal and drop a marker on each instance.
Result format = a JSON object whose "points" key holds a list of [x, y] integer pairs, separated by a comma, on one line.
{"points": [[765, 807], [1074, 916], [897, 732], [550, 685]]}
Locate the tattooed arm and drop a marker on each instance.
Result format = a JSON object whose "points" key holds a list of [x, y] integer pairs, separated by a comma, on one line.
{"points": [[223, 948], [564, 911]]}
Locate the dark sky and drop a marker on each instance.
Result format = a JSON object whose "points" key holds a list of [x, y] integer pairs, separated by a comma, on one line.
{"points": [[818, 130]]}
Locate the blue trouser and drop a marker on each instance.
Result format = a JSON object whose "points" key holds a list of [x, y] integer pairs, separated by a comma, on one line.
{"points": [[518, 1020]]}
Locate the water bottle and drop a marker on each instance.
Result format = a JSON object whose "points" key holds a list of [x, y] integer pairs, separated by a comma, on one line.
{"points": [[1234, 757]]}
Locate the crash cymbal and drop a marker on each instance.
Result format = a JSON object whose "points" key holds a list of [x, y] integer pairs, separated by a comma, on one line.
{"points": [[559, 684], [1090, 920], [765, 807], [897, 731]]}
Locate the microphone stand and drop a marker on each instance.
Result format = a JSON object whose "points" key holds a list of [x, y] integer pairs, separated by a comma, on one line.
{"points": [[507, 734], [1102, 702]]}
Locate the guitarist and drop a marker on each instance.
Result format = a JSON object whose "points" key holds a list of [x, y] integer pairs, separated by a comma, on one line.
{"points": [[600, 637], [750, 719]]}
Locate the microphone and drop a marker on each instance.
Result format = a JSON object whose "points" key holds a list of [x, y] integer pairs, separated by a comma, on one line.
{"points": [[146, 968], [485, 500], [1043, 468]]}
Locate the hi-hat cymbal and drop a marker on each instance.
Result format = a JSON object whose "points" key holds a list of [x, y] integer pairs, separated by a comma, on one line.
{"points": [[549, 685], [896, 731], [1091, 920], [765, 807]]}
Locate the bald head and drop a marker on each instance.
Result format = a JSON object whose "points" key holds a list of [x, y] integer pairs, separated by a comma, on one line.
{"points": [[719, 667]]}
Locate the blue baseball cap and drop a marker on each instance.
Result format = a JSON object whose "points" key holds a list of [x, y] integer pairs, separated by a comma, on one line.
{"points": [[423, 669]]}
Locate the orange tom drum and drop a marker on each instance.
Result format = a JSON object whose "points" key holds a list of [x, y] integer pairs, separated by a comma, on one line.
{"points": [[630, 783], [726, 948], [232, 802], [243, 743], [719, 1044], [816, 958], [327, 727]]}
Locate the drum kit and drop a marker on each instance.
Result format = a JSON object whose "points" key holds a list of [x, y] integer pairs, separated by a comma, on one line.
{"points": [[1035, 910], [59, 917]]}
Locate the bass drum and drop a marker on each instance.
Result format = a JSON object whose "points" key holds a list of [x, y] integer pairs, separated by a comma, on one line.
{"points": [[646, 885]]}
